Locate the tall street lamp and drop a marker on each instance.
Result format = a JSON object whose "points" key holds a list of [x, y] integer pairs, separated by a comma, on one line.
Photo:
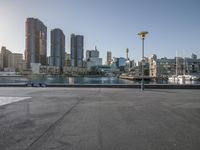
{"points": [[142, 35]]}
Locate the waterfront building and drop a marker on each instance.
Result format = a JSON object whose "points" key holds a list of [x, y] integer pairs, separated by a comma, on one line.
{"points": [[92, 54], [113, 65], [1, 62], [15, 62], [10, 61], [121, 63], [194, 56], [35, 68], [57, 48], [24, 68], [5, 56], [153, 66], [132, 63], [192, 65], [101, 69], [165, 67], [73, 71], [49, 60], [145, 65], [92, 58], [52, 70], [38, 69], [67, 60], [93, 61], [109, 58], [128, 65], [36, 42], [77, 43]]}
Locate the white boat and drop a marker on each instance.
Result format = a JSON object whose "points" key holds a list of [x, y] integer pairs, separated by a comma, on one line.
{"points": [[173, 78], [187, 77], [182, 78], [194, 78]]}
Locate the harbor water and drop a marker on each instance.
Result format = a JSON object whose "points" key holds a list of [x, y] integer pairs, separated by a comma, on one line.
{"points": [[81, 80]]}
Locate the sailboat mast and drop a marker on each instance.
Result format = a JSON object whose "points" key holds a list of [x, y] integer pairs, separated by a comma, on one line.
{"points": [[184, 66], [176, 65]]}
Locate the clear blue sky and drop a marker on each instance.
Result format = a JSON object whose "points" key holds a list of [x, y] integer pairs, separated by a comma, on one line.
{"points": [[112, 25]]}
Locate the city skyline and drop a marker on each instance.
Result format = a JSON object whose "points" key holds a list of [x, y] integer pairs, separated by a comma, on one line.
{"points": [[112, 26]]}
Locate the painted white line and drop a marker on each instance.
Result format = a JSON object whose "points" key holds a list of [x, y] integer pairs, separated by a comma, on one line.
{"points": [[8, 100]]}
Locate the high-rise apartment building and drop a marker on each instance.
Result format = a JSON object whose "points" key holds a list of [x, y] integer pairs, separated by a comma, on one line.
{"points": [[5, 57], [36, 42], [77, 43], [109, 58], [57, 48]]}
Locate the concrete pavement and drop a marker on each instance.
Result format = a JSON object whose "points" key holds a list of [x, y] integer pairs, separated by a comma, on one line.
{"points": [[99, 119]]}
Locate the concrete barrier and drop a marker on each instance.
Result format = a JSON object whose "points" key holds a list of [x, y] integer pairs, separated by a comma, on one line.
{"points": [[147, 86], [13, 84]]}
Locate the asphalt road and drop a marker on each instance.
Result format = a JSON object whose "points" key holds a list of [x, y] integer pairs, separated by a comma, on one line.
{"points": [[99, 119]]}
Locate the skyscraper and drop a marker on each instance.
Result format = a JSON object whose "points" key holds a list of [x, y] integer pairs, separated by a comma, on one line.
{"points": [[77, 43], [109, 57], [127, 51], [57, 48], [36, 42]]}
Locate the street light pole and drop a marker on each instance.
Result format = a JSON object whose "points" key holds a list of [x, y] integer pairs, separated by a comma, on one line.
{"points": [[142, 35], [142, 82]]}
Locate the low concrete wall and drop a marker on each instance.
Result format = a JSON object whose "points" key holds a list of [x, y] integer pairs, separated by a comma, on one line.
{"points": [[13, 85], [147, 86]]}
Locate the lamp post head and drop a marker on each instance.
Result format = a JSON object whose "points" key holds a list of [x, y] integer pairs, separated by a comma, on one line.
{"points": [[143, 34]]}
